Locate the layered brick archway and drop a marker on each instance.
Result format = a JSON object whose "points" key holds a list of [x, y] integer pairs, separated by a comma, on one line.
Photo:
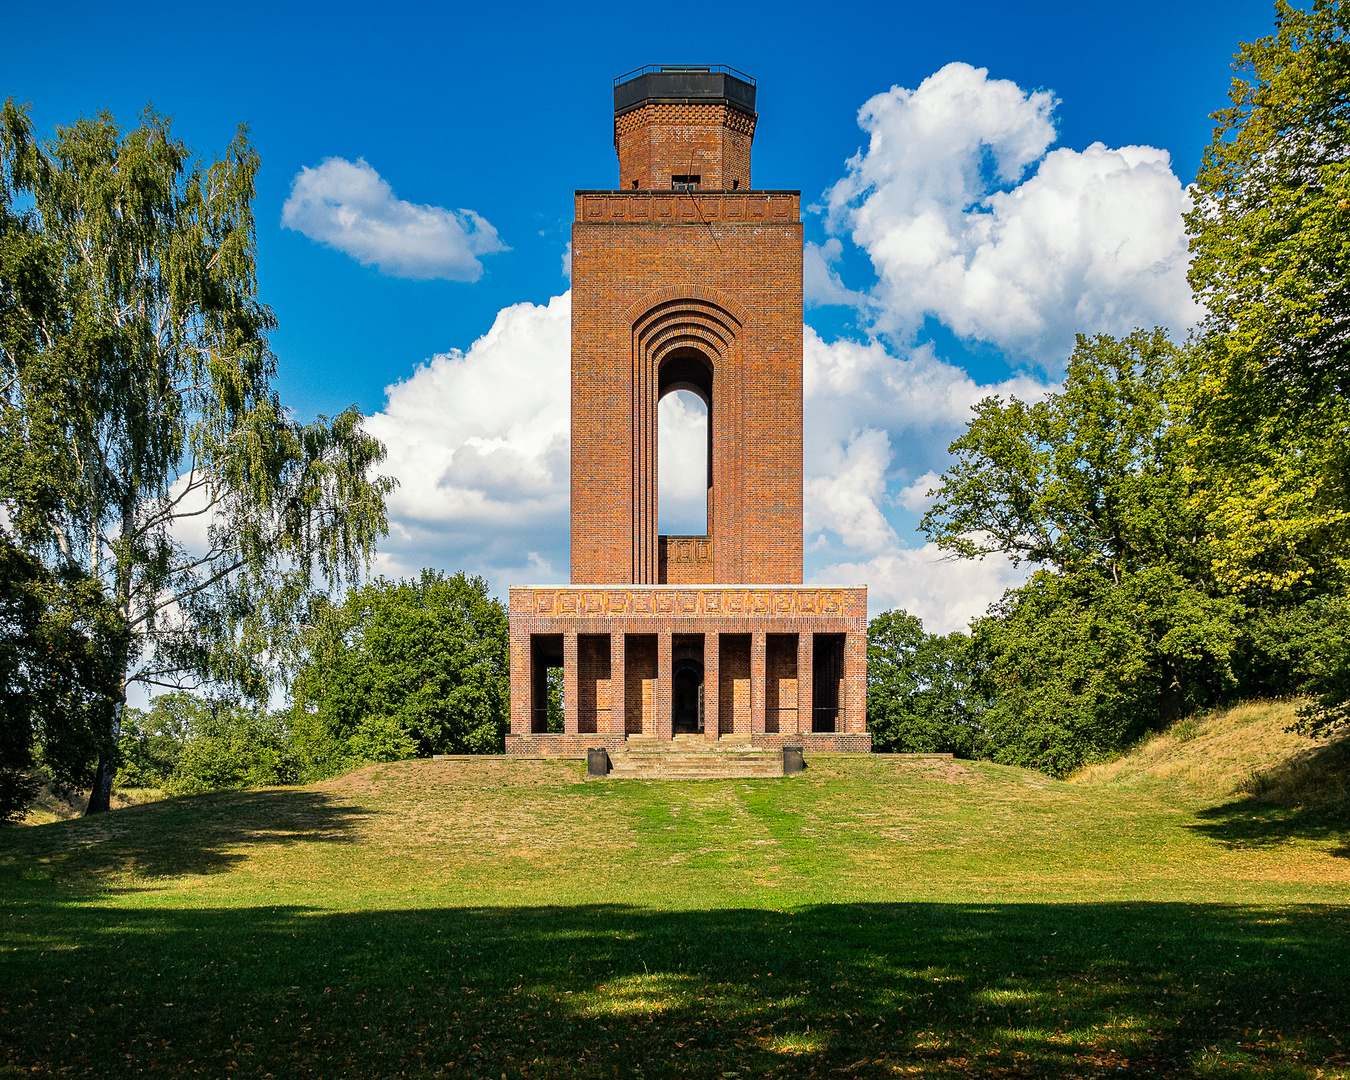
{"points": [[684, 329]]}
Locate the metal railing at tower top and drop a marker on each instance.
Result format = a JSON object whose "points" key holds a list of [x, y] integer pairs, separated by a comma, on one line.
{"points": [[685, 69]]}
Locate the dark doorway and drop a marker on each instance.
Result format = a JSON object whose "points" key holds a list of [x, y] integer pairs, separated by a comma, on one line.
{"points": [[827, 678], [687, 697], [546, 662], [686, 690]]}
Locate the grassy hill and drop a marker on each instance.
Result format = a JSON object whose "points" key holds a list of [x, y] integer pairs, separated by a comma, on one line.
{"points": [[1245, 752], [871, 917]]}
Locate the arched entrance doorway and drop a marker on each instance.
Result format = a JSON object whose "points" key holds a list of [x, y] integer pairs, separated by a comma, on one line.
{"points": [[687, 697]]}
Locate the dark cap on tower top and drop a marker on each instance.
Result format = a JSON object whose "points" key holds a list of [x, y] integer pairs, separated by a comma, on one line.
{"points": [[684, 84]]}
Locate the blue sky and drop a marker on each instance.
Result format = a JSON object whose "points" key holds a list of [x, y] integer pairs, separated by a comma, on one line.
{"points": [[504, 110]]}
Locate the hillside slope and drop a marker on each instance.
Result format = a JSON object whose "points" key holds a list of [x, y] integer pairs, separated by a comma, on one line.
{"points": [[1244, 752]]}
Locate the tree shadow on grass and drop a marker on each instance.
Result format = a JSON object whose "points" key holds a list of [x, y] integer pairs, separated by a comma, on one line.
{"points": [[209, 834], [867, 990], [1307, 797]]}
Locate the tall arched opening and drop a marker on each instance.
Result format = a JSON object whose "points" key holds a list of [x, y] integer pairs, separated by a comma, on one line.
{"points": [[684, 489]]}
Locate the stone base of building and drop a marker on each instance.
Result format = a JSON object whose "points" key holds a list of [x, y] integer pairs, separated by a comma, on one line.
{"points": [[817, 742], [558, 745], [553, 744], [774, 665]]}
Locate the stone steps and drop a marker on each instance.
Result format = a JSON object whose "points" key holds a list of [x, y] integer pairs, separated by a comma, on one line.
{"points": [[684, 743], [696, 765]]}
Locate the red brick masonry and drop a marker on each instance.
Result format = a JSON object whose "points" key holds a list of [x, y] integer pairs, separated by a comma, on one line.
{"points": [[812, 693], [686, 279]]}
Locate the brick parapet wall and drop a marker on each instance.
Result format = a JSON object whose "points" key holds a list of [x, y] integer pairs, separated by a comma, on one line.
{"points": [[819, 742], [575, 746], [687, 208], [561, 745]]}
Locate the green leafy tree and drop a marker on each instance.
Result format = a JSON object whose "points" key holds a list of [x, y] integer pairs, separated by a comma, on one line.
{"points": [[231, 745], [152, 740], [1079, 666], [1094, 486], [186, 745], [59, 649], [922, 695], [404, 668], [1270, 236], [136, 394], [1270, 226], [553, 700]]}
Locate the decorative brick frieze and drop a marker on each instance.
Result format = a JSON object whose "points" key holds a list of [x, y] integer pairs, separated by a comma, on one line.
{"points": [[575, 746], [722, 602]]}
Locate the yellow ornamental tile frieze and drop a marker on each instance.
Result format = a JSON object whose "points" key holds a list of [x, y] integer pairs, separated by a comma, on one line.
{"points": [[687, 603]]}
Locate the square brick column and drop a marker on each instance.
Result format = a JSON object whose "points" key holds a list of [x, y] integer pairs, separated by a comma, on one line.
{"points": [[522, 683], [758, 654], [712, 645], [570, 682], [664, 684], [806, 658], [617, 712], [855, 683]]}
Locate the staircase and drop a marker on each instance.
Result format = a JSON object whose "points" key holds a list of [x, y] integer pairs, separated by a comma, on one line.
{"points": [[691, 757]]}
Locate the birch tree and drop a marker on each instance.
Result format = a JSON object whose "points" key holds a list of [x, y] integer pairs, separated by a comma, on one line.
{"points": [[137, 398]]}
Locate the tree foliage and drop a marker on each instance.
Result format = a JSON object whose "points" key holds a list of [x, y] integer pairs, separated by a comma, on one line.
{"points": [[921, 691], [59, 676], [404, 668], [1121, 627], [1271, 223], [1271, 243], [1269, 236], [136, 397], [185, 745]]}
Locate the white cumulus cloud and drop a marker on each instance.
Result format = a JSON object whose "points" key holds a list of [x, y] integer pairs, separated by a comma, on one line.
{"points": [[479, 441], [917, 497], [878, 424], [349, 206], [945, 593], [845, 492], [969, 217], [682, 464]]}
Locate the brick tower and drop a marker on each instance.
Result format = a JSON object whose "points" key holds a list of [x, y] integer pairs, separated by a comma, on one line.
{"points": [[687, 278]]}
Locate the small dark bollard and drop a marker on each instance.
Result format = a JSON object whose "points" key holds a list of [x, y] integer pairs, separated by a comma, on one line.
{"points": [[597, 761], [792, 760]]}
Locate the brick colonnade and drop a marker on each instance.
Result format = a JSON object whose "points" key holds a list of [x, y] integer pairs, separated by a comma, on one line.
{"points": [[780, 664]]}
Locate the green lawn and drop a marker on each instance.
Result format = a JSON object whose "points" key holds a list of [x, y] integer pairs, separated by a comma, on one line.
{"points": [[871, 917]]}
